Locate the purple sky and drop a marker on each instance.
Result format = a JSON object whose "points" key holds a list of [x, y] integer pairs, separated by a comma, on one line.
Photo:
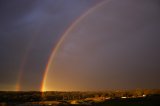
{"points": [[118, 44]]}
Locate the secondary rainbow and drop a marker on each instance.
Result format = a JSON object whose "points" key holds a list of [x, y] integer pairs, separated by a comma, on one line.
{"points": [[24, 61], [64, 35]]}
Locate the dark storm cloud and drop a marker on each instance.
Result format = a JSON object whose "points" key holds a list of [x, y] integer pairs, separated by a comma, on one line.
{"points": [[31, 28]]}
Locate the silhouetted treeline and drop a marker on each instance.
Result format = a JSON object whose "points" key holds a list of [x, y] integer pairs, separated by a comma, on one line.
{"points": [[11, 96]]}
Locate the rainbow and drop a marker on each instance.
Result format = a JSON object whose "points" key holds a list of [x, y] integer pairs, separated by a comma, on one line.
{"points": [[64, 35], [24, 60]]}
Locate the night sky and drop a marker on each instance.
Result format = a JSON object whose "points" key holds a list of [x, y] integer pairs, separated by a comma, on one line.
{"points": [[79, 44]]}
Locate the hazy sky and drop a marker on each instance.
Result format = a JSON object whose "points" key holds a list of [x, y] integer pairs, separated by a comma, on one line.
{"points": [[116, 46]]}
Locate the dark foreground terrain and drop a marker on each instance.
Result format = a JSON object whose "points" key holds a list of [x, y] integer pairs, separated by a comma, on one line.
{"points": [[107, 98], [148, 101]]}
